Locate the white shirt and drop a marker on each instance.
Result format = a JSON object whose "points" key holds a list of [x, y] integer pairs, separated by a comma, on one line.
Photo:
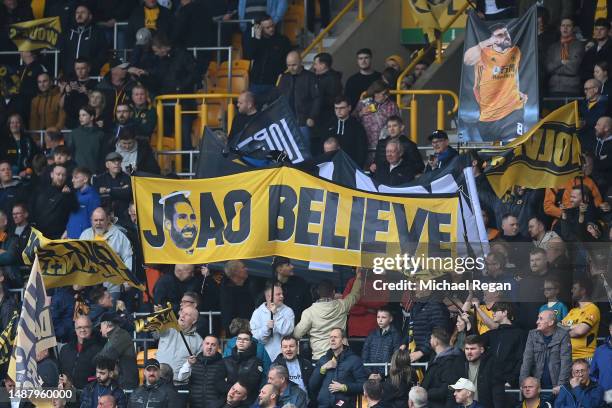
{"points": [[283, 325], [295, 373]]}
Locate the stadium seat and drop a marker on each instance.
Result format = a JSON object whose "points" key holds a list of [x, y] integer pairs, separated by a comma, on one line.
{"points": [[211, 75], [293, 23]]}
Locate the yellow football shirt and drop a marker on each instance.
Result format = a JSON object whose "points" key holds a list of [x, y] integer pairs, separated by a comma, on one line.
{"points": [[480, 324], [584, 347]]}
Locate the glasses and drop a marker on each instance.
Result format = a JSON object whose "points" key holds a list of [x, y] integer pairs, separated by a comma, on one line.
{"points": [[579, 371]]}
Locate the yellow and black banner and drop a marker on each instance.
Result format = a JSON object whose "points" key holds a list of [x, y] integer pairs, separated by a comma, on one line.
{"points": [[36, 34], [158, 321], [66, 262], [546, 157], [285, 211], [7, 339], [433, 15]]}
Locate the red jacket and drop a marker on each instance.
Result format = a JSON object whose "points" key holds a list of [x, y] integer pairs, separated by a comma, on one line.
{"points": [[362, 317]]}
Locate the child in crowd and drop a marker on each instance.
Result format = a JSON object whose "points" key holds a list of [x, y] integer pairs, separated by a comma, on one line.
{"points": [[381, 343], [551, 292]]}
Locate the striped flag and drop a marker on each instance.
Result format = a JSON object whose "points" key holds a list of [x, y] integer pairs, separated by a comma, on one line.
{"points": [[7, 339]]}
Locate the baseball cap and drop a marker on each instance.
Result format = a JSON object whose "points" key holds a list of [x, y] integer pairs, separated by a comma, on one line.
{"points": [[117, 63], [143, 36], [151, 363], [463, 384], [280, 260], [438, 134], [108, 317], [112, 156]]}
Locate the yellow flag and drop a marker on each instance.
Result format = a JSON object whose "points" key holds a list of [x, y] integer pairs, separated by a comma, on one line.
{"points": [[36, 34], [159, 321]]}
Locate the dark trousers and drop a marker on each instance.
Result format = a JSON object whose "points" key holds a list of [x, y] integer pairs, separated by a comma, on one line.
{"points": [[310, 14]]}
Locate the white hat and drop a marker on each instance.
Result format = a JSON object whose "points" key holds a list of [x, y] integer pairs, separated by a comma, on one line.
{"points": [[143, 36], [463, 384]]}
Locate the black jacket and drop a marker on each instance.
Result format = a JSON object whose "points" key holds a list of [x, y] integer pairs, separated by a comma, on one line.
{"points": [[12, 193], [441, 372], [297, 295], [120, 192], [175, 73], [235, 301], [170, 289], [425, 316], [18, 153], [302, 94], [352, 137], [330, 86], [403, 173], [207, 385], [411, 153], [193, 26], [51, 209], [592, 57], [119, 347], [268, 57], [305, 367], [80, 367], [490, 384], [136, 22], [91, 394], [245, 367], [349, 371], [83, 41], [7, 306], [159, 395], [506, 344], [75, 100], [602, 171]]}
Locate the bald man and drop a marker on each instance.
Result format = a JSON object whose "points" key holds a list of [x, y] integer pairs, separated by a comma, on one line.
{"points": [[299, 86], [548, 353], [593, 107], [602, 163], [102, 229], [246, 109]]}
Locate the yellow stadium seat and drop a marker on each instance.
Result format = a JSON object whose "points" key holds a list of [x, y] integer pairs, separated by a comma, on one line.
{"points": [[211, 75], [240, 81], [140, 360]]}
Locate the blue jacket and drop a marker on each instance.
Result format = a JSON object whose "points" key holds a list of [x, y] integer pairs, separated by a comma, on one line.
{"points": [[80, 220], [276, 9], [590, 396], [62, 310], [349, 371], [261, 353], [90, 395], [379, 348], [601, 369]]}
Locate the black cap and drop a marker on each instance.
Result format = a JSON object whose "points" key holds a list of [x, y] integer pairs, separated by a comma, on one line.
{"points": [[280, 260], [117, 63], [151, 363], [438, 134], [112, 156], [108, 317], [602, 22]]}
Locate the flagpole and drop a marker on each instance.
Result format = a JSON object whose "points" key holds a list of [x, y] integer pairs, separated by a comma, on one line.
{"points": [[185, 342]]}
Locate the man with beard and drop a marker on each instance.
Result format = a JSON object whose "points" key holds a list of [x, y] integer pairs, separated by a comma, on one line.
{"points": [[244, 365], [123, 119], [268, 397], [496, 85], [180, 220], [582, 321], [114, 187], [104, 384], [155, 392], [103, 229]]}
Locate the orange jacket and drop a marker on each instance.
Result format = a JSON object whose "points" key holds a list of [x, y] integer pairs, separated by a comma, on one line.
{"points": [[46, 111]]}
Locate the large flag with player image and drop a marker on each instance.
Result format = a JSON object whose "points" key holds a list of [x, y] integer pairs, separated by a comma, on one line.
{"points": [[272, 130], [546, 157], [499, 79], [66, 262], [34, 333]]}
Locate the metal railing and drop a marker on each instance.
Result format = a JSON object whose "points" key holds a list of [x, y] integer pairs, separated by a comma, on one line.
{"points": [[115, 31], [436, 44], [318, 40], [41, 134], [178, 116], [53, 51], [191, 153], [414, 107]]}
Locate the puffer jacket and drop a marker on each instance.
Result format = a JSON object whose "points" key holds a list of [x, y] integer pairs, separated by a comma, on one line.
{"points": [[324, 315], [46, 111], [207, 385], [558, 352], [80, 220], [349, 371], [590, 396], [245, 367], [378, 348], [92, 392], [442, 371], [158, 395]]}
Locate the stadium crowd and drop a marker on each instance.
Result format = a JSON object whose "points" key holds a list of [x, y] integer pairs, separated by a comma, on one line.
{"points": [[293, 342]]}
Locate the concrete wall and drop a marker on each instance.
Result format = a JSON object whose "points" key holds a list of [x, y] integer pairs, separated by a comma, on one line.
{"points": [[380, 31]]}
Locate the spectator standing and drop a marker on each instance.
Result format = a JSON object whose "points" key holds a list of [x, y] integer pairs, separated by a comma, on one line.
{"points": [[116, 86], [17, 147], [329, 82], [600, 73], [563, 60], [144, 115], [325, 314], [593, 107], [120, 348], [339, 375], [582, 321], [382, 342], [151, 16], [349, 131], [443, 369], [205, 372], [299, 86], [548, 354], [598, 49], [12, 190], [136, 155], [193, 27], [237, 325], [155, 390], [256, 9], [88, 199], [272, 320], [84, 39], [244, 365], [171, 287], [52, 204], [74, 91], [602, 161], [299, 369], [86, 140], [28, 72], [235, 296], [103, 385], [45, 109], [267, 50], [580, 391], [481, 369], [399, 381], [288, 391], [601, 370], [358, 83], [76, 359], [114, 186], [21, 226]]}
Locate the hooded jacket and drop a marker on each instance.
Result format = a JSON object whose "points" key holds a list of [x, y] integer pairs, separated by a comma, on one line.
{"points": [[80, 219], [158, 395], [86, 145], [324, 315], [207, 385], [246, 368], [46, 111], [589, 396], [601, 369], [83, 41], [349, 371], [120, 348], [80, 366], [283, 326], [443, 370], [558, 352], [352, 137], [140, 158]]}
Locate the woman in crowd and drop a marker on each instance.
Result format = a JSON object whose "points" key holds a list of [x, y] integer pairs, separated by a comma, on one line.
{"points": [[98, 102], [17, 147], [86, 140], [600, 73]]}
